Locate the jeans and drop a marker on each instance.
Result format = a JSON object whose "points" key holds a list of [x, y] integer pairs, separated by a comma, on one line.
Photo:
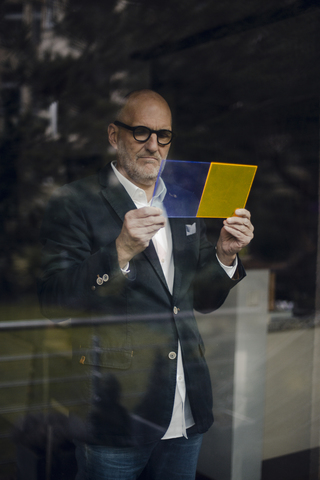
{"points": [[174, 459]]}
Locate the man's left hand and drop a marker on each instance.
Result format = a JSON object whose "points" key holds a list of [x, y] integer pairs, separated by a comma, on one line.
{"points": [[236, 233]]}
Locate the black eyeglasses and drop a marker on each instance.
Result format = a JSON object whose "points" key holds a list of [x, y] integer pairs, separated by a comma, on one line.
{"points": [[142, 134]]}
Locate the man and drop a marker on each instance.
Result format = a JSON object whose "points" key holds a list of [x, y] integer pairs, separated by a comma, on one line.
{"points": [[140, 375]]}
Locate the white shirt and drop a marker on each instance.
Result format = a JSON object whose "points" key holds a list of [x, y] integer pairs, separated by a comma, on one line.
{"points": [[181, 418]]}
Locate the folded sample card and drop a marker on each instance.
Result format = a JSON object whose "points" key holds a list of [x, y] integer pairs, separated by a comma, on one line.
{"points": [[202, 189]]}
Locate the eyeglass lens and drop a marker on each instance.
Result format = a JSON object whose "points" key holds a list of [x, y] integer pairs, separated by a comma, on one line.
{"points": [[142, 134]]}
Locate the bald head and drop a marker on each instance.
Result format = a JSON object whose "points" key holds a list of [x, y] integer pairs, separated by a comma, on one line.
{"points": [[138, 101]]}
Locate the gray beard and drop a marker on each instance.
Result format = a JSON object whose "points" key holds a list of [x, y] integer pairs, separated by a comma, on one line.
{"points": [[135, 173], [140, 177]]}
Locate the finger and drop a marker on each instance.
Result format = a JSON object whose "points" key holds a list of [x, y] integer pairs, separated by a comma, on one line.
{"points": [[246, 224], [142, 232], [134, 223], [240, 228], [138, 215], [240, 222], [147, 212], [240, 234], [151, 229], [157, 222], [242, 212]]}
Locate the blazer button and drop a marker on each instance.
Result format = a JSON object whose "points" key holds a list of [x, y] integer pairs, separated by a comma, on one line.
{"points": [[172, 355], [105, 277], [99, 280], [176, 310]]}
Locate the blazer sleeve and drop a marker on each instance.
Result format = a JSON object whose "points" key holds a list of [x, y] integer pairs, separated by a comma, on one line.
{"points": [[211, 283], [70, 266]]}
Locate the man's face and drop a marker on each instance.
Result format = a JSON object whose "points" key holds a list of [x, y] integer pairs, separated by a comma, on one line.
{"points": [[140, 162]]}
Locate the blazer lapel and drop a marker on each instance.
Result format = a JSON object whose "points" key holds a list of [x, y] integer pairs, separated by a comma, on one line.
{"points": [[114, 192], [177, 250], [121, 202], [151, 254]]}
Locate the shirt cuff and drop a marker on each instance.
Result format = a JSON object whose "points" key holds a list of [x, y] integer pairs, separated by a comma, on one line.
{"points": [[229, 269], [125, 269]]}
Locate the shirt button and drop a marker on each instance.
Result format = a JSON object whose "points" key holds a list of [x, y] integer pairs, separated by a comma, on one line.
{"points": [[175, 310], [179, 378], [172, 355]]}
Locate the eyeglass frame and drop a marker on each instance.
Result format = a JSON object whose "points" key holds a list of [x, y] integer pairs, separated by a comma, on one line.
{"points": [[133, 129]]}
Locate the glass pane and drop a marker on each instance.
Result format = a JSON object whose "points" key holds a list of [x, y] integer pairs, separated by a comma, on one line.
{"points": [[242, 81]]}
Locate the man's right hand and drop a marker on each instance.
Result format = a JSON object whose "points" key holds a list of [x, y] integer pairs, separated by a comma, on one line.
{"points": [[138, 228]]}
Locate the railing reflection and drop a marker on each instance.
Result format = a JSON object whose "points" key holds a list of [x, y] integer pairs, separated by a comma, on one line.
{"points": [[263, 367]]}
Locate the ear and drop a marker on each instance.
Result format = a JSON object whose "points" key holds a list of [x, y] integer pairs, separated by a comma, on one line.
{"points": [[113, 135]]}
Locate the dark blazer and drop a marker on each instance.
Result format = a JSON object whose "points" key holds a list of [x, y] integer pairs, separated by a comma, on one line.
{"points": [[125, 343]]}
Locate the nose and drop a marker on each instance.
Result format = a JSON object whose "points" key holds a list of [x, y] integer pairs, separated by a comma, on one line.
{"points": [[152, 143]]}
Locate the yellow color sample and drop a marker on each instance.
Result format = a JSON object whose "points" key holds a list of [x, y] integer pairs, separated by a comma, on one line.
{"points": [[227, 188]]}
